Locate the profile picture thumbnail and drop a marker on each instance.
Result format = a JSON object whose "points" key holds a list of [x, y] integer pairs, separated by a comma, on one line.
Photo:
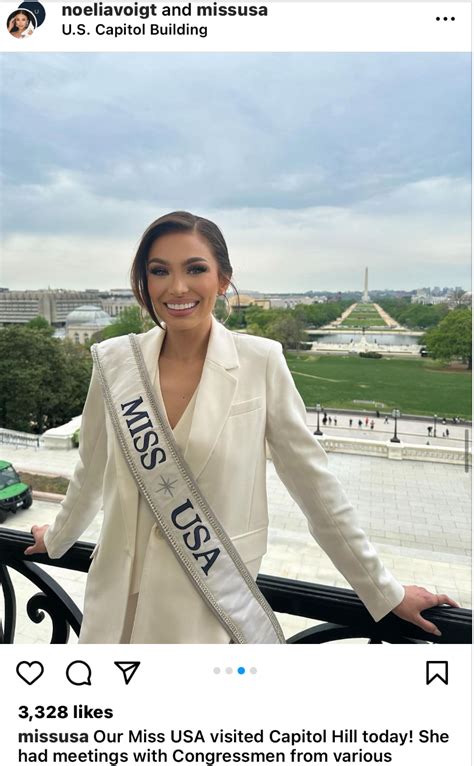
{"points": [[23, 22]]}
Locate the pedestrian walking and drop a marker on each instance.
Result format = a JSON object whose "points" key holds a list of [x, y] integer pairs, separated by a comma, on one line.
{"points": [[372, 424], [367, 421], [325, 419], [335, 421], [360, 424], [386, 420], [429, 429], [330, 420], [350, 422], [377, 414], [447, 433]]}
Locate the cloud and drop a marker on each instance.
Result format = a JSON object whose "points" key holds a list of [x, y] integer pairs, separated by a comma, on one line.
{"points": [[400, 237], [340, 159]]}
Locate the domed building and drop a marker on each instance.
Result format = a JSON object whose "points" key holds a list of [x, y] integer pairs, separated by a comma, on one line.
{"points": [[84, 321]]}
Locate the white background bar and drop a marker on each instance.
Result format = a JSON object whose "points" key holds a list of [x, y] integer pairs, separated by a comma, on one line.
{"points": [[300, 26]]}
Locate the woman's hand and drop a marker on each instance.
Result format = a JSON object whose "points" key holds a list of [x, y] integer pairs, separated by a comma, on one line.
{"points": [[415, 601], [39, 546], [11, 24]]}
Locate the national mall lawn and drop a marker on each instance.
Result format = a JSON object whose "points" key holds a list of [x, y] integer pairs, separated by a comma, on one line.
{"points": [[413, 386]]}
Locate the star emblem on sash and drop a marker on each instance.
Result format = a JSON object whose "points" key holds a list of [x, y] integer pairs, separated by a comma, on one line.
{"points": [[166, 485]]}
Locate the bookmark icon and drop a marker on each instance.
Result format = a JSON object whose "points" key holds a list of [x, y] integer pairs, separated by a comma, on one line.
{"points": [[128, 669]]}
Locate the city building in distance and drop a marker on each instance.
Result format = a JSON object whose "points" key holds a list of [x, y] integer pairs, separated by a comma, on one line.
{"points": [[83, 322], [20, 306]]}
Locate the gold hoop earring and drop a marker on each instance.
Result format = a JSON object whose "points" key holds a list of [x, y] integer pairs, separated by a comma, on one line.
{"points": [[229, 307]]}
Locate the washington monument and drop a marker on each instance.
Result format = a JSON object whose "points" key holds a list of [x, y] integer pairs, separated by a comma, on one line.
{"points": [[365, 297]]}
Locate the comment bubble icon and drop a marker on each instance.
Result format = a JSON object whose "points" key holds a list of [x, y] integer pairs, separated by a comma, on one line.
{"points": [[79, 673]]}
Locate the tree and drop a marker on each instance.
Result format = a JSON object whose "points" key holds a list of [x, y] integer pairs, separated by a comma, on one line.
{"points": [[43, 381], [40, 323], [452, 338], [129, 320], [254, 329], [414, 315], [457, 296], [77, 362], [319, 314], [256, 316], [235, 321], [288, 330], [221, 311]]}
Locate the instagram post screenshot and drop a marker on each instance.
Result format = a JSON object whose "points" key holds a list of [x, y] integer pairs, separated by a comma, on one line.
{"points": [[235, 382]]}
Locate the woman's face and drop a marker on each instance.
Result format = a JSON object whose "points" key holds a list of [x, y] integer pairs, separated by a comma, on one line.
{"points": [[183, 280], [21, 21]]}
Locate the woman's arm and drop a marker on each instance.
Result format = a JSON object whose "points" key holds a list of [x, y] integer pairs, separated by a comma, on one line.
{"points": [[303, 467], [84, 496], [302, 464]]}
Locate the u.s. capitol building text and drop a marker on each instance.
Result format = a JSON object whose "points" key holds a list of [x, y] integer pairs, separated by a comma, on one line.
{"points": [[134, 30]]}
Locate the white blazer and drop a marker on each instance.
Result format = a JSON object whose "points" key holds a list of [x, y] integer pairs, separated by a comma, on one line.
{"points": [[246, 397]]}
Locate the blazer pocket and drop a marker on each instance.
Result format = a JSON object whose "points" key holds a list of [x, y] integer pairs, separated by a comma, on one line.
{"points": [[241, 408]]}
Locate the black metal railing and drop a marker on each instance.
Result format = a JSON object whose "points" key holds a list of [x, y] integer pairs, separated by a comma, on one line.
{"points": [[340, 611]]}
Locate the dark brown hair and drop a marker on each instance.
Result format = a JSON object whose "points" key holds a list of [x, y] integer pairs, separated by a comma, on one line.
{"points": [[177, 222]]}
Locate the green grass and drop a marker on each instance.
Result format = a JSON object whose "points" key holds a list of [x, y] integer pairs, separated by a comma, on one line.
{"points": [[363, 314], [414, 386], [371, 321], [55, 484]]}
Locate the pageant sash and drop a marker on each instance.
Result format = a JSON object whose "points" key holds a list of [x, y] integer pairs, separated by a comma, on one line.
{"points": [[182, 513]]}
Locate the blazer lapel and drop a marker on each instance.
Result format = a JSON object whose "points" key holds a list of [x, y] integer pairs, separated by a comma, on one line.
{"points": [[214, 398], [215, 394], [150, 344]]}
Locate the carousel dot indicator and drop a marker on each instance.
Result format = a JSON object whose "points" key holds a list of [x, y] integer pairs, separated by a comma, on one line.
{"points": [[241, 671], [253, 671], [217, 671], [228, 671]]}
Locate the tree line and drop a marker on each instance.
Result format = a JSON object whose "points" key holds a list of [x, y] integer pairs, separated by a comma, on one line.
{"points": [[415, 316], [286, 325], [44, 380], [449, 331]]}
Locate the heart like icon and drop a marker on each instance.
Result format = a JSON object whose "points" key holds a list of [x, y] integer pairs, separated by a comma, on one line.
{"points": [[29, 672]]}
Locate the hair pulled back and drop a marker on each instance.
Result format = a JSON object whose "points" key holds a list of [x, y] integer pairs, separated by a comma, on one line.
{"points": [[177, 222]]}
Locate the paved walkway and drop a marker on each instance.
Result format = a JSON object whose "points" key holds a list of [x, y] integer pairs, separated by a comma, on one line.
{"points": [[418, 515], [409, 430]]}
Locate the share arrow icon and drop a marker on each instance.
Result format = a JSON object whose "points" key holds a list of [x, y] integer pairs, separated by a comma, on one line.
{"points": [[128, 669]]}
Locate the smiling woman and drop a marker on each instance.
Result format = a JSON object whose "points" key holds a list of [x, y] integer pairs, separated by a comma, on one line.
{"points": [[21, 23], [196, 247], [173, 447], [188, 283]]}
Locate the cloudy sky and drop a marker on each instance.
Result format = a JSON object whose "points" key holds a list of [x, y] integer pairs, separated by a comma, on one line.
{"points": [[314, 165]]}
